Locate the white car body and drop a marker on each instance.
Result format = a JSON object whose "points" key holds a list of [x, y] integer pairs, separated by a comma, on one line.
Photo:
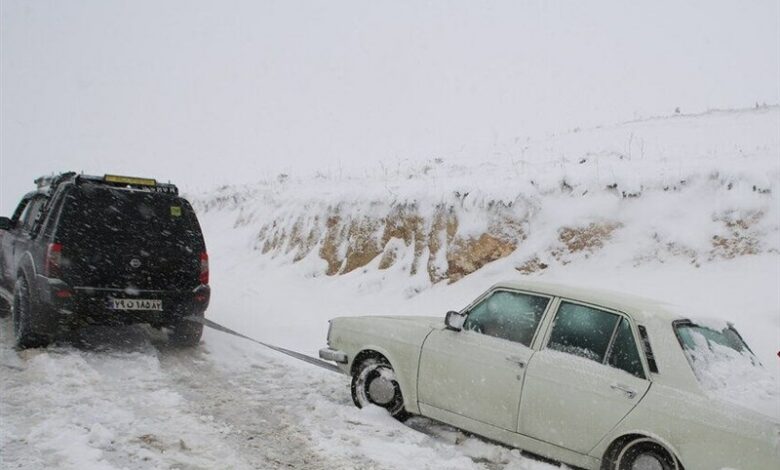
{"points": [[556, 404]]}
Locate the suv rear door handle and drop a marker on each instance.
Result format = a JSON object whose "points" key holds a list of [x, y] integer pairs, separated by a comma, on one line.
{"points": [[627, 391], [517, 360]]}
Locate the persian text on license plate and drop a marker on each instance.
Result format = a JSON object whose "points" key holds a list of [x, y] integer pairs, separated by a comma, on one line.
{"points": [[135, 304]]}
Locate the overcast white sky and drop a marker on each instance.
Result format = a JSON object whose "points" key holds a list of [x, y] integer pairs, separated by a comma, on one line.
{"points": [[208, 92]]}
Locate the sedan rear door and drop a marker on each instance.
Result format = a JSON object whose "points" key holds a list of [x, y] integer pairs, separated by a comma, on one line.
{"points": [[586, 379]]}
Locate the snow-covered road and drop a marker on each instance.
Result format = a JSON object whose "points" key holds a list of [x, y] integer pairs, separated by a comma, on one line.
{"points": [[109, 399]]}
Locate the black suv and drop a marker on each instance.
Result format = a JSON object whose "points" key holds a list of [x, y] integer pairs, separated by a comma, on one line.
{"points": [[109, 250]]}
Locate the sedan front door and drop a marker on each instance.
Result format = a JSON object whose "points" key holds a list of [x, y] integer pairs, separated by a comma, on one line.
{"points": [[478, 372]]}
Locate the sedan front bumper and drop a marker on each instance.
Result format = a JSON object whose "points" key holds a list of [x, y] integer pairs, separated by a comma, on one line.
{"points": [[328, 354]]}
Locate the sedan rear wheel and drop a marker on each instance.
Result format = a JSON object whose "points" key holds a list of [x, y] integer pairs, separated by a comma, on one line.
{"points": [[375, 383], [645, 454]]}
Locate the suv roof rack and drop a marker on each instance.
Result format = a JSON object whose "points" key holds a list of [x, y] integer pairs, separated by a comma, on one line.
{"points": [[134, 182], [49, 183]]}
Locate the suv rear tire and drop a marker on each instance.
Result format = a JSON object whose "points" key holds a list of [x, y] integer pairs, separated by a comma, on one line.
{"points": [[185, 332], [24, 332], [5, 308]]}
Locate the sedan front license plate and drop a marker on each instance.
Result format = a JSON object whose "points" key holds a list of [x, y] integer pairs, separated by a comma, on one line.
{"points": [[135, 304]]}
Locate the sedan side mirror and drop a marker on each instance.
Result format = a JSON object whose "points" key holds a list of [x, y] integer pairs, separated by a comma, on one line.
{"points": [[454, 320], [5, 223]]}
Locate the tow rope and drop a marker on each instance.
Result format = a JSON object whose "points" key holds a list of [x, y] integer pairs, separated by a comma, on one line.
{"points": [[300, 356]]}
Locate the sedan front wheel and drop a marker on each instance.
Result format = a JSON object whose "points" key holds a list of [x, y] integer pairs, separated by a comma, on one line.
{"points": [[375, 383]]}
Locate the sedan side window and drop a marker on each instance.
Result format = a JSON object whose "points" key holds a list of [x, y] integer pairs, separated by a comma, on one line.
{"points": [[583, 331], [508, 315], [624, 353]]}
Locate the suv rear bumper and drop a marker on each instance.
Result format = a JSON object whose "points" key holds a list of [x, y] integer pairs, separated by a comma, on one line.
{"points": [[62, 307]]}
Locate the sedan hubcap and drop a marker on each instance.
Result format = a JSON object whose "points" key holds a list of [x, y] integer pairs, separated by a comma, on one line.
{"points": [[381, 391], [647, 462]]}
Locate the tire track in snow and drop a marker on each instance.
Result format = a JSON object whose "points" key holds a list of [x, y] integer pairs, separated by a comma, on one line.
{"points": [[122, 398], [261, 425], [316, 406]]}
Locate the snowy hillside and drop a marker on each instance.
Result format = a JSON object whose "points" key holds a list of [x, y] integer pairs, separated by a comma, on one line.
{"points": [[681, 208], [697, 188]]}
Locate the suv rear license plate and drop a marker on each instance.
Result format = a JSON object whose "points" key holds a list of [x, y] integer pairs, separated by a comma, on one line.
{"points": [[135, 304]]}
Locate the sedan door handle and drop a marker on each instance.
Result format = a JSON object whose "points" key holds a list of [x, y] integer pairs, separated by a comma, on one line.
{"points": [[627, 391], [517, 360]]}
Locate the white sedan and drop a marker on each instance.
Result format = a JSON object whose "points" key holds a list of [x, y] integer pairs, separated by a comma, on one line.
{"points": [[591, 379]]}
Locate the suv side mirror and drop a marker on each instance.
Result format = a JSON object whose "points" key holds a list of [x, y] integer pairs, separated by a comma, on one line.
{"points": [[454, 320], [5, 223]]}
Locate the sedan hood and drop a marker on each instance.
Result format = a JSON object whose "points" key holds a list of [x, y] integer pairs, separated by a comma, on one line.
{"points": [[427, 322], [410, 330]]}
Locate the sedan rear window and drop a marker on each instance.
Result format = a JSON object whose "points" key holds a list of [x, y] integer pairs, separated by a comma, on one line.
{"points": [[701, 338], [726, 368], [716, 354]]}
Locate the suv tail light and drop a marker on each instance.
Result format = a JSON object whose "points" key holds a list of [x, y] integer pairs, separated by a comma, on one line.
{"points": [[53, 260], [204, 268]]}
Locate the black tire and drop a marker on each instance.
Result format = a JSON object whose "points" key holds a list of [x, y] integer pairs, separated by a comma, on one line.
{"points": [[24, 331], [375, 375], [185, 333], [645, 454]]}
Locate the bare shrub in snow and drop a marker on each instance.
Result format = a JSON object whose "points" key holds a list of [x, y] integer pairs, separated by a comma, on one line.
{"points": [[741, 237]]}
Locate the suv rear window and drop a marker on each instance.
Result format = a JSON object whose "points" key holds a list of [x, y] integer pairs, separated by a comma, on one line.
{"points": [[118, 238], [100, 215]]}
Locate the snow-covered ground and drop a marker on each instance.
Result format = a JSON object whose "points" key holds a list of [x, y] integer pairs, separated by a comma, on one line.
{"points": [[123, 399]]}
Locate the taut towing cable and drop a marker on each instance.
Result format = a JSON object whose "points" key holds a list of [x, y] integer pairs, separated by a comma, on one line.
{"points": [[294, 354]]}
